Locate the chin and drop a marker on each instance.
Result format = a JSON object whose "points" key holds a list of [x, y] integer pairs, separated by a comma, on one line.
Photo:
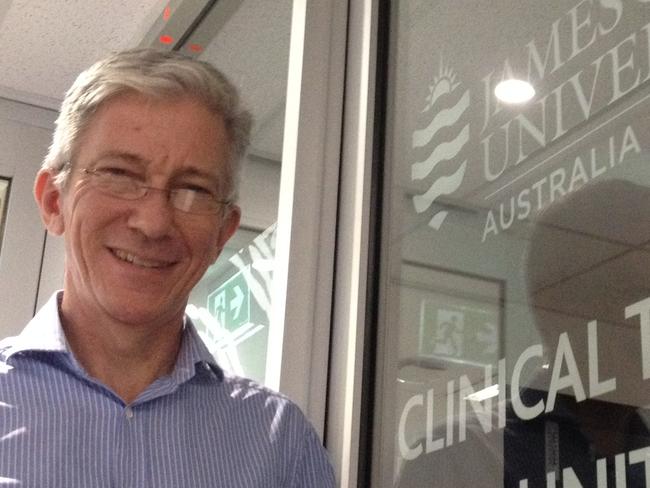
{"points": [[142, 310]]}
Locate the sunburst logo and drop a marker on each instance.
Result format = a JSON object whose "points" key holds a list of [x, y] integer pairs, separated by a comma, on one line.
{"points": [[441, 139], [443, 83]]}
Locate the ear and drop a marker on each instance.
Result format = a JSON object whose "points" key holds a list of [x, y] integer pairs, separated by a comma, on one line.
{"points": [[48, 198], [229, 226]]}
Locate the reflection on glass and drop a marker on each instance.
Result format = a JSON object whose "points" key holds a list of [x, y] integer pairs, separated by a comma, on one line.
{"points": [[456, 318], [231, 310], [249, 41], [514, 91], [516, 314]]}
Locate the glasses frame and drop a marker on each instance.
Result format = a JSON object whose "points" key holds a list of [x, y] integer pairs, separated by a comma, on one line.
{"points": [[141, 190]]}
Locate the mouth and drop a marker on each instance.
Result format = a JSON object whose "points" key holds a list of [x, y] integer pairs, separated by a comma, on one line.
{"points": [[140, 261]]}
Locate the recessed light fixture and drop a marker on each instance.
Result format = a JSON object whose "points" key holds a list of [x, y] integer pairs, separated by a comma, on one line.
{"points": [[484, 394], [514, 91]]}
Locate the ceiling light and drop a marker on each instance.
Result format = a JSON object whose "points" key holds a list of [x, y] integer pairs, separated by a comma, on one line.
{"points": [[514, 91], [484, 394]]}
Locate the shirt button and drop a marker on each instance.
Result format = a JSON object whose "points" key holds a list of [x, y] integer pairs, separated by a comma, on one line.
{"points": [[128, 411]]}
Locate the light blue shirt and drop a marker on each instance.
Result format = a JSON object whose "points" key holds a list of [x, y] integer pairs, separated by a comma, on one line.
{"points": [[197, 427]]}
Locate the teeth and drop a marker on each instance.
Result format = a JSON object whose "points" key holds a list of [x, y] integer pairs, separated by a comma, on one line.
{"points": [[130, 258]]}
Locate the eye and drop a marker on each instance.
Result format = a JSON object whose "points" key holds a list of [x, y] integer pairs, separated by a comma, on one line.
{"points": [[116, 171], [200, 189], [120, 167]]}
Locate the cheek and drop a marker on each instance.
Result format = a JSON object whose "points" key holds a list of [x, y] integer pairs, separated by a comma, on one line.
{"points": [[74, 223], [79, 236], [203, 244], [88, 220]]}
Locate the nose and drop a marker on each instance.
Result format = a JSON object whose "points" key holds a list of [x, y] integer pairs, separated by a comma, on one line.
{"points": [[152, 215]]}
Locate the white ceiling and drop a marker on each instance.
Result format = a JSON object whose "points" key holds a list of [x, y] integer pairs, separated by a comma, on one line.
{"points": [[252, 48], [46, 43]]}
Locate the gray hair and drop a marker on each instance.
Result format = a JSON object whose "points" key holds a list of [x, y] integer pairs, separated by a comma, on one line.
{"points": [[155, 74]]}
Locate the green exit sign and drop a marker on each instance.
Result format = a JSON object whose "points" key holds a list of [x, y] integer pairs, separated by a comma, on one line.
{"points": [[230, 304]]}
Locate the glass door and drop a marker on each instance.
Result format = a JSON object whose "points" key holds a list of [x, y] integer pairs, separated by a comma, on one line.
{"points": [[514, 332], [231, 306], [264, 307]]}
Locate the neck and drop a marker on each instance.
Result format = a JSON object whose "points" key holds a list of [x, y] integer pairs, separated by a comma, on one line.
{"points": [[127, 358]]}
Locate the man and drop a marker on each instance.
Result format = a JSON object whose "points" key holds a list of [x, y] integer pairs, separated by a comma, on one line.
{"points": [[109, 384]]}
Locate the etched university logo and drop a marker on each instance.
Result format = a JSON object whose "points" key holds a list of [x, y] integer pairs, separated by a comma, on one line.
{"points": [[441, 140]]}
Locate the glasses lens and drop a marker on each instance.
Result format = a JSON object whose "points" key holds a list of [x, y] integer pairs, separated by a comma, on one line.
{"points": [[117, 185], [193, 201], [183, 199]]}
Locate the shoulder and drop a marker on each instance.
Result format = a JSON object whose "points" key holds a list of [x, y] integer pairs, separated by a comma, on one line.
{"points": [[261, 413], [266, 417], [248, 396], [240, 386], [289, 430]]}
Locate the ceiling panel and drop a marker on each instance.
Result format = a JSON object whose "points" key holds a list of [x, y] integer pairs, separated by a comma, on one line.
{"points": [[252, 48], [45, 44]]}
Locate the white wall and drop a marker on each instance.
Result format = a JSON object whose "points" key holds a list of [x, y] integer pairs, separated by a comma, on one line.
{"points": [[24, 138]]}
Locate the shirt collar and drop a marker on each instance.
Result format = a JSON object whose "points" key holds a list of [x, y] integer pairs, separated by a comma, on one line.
{"points": [[44, 333], [193, 356]]}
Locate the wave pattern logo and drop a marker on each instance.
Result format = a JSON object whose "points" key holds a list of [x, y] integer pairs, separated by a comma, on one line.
{"points": [[440, 141]]}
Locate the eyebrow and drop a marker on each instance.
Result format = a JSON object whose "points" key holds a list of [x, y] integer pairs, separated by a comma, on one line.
{"points": [[135, 158], [185, 171], [124, 155], [193, 171]]}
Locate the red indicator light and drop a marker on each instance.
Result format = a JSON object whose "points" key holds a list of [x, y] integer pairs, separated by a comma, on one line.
{"points": [[167, 13], [166, 39], [196, 48]]}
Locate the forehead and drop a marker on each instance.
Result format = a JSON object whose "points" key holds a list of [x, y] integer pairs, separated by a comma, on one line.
{"points": [[165, 133]]}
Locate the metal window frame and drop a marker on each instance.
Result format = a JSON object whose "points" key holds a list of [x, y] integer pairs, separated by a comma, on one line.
{"points": [[299, 335], [350, 333], [319, 326]]}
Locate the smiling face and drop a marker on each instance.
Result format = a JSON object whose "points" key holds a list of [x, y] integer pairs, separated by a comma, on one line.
{"points": [[136, 261]]}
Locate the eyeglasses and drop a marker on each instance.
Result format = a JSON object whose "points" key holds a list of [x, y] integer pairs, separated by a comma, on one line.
{"points": [[193, 200]]}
